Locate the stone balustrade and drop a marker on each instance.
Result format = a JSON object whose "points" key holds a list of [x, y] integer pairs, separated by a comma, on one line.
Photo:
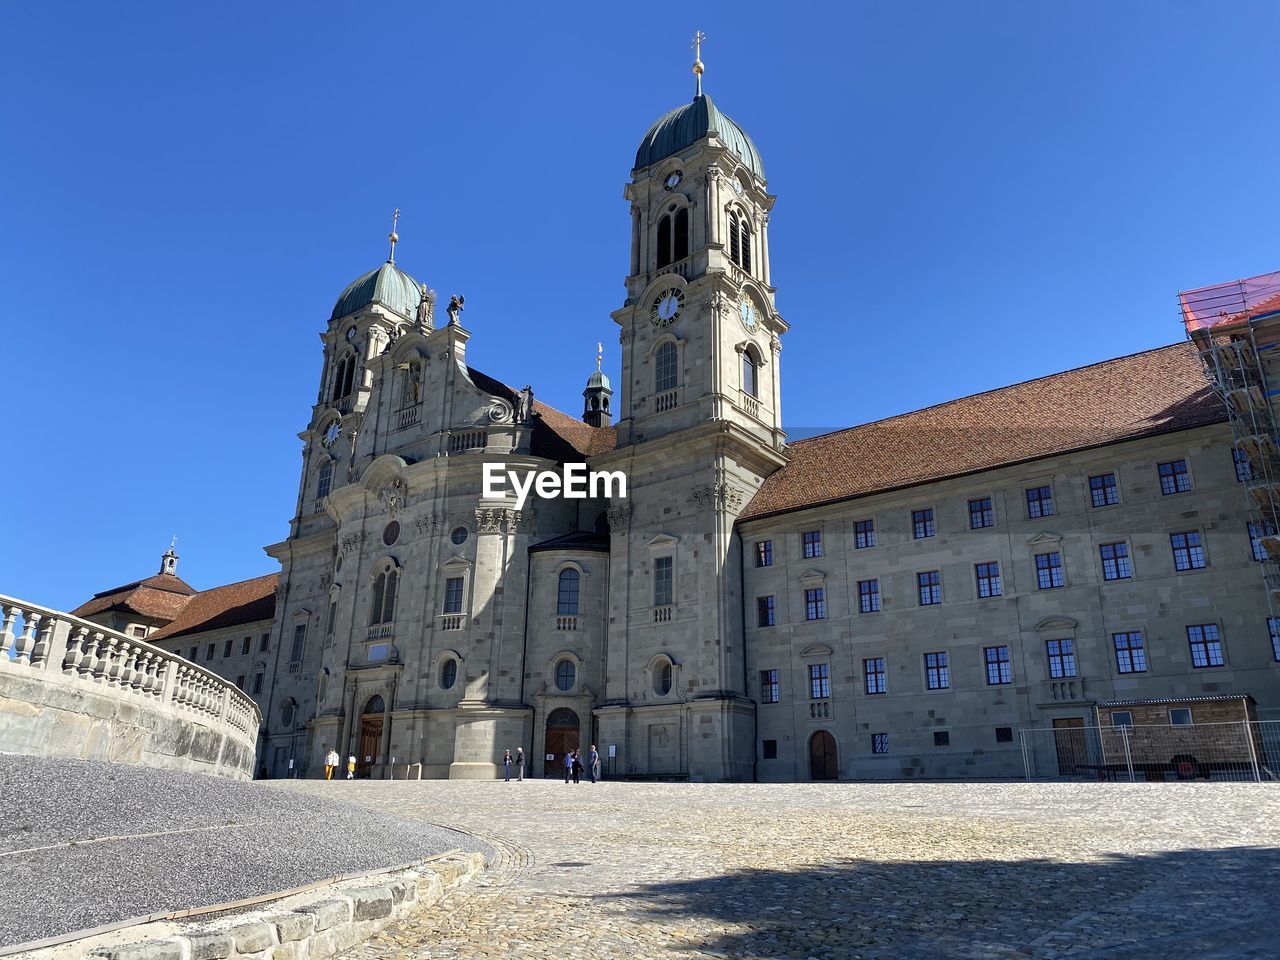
{"points": [[70, 687]]}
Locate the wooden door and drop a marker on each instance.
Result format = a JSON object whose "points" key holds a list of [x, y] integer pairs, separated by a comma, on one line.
{"points": [[562, 736], [370, 744], [1068, 738], [823, 763]]}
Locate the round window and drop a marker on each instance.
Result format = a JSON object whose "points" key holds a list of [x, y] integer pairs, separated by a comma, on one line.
{"points": [[662, 674], [391, 532], [459, 535], [448, 674], [566, 672]]}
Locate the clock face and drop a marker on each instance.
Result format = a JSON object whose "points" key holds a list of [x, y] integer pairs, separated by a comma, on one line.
{"points": [[673, 180], [666, 307], [332, 434], [747, 313]]}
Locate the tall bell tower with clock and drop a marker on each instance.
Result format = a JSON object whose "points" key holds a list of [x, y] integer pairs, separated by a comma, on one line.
{"points": [[699, 429]]}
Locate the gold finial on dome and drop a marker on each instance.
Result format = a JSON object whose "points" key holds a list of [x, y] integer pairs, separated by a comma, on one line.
{"points": [[697, 59], [393, 237]]}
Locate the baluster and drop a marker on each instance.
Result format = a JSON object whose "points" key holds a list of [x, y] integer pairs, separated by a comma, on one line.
{"points": [[142, 672], [44, 640], [26, 640], [128, 654], [179, 683], [75, 651], [89, 666], [6, 629], [110, 661]]}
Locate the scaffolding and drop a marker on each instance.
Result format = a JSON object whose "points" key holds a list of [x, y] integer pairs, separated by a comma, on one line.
{"points": [[1236, 328]]}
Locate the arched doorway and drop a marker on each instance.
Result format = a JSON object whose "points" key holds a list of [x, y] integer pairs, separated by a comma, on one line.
{"points": [[822, 757], [370, 736], [562, 737]]}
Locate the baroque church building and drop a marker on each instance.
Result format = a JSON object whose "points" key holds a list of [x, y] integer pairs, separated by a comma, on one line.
{"points": [[886, 601]]}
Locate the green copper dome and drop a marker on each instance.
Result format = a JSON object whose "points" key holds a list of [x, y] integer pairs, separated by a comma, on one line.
{"points": [[388, 285], [686, 125], [598, 381]]}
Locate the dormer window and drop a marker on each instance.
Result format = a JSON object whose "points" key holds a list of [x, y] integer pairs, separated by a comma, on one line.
{"points": [[740, 240], [673, 237]]}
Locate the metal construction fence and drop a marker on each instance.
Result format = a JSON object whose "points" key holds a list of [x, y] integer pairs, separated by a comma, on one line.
{"points": [[1243, 750]]}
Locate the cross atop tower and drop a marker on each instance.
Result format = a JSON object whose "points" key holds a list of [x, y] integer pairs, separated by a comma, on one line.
{"points": [[697, 59], [393, 236]]}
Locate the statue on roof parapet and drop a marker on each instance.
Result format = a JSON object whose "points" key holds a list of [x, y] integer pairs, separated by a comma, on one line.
{"points": [[455, 308]]}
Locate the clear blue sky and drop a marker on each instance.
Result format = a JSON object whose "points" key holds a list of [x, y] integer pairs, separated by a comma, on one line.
{"points": [[969, 195]]}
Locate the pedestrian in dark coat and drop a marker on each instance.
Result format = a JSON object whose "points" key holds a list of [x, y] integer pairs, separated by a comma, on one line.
{"points": [[577, 767], [568, 765], [506, 764]]}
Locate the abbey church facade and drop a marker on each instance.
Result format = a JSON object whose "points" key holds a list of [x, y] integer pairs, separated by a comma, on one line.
{"points": [[890, 600]]}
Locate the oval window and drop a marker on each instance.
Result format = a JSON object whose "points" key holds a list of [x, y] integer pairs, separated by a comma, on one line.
{"points": [[448, 674], [286, 713], [459, 535], [662, 675], [391, 532], [566, 673]]}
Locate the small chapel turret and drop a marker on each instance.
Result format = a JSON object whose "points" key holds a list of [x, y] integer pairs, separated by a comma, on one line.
{"points": [[595, 398]]}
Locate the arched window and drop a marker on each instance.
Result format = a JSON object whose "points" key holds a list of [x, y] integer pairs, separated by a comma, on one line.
{"points": [[287, 710], [567, 601], [448, 674], [663, 675], [339, 377], [375, 705], [680, 241], [750, 374], [566, 673], [326, 480], [383, 607], [665, 368], [664, 241], [739, 240]]}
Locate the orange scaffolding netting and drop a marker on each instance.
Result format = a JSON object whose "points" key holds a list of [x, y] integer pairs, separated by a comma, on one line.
{"points": [[1236, 301]]}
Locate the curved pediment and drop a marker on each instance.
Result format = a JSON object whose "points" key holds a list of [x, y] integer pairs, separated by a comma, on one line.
{"points": [[1057, 623], [817, 650]]}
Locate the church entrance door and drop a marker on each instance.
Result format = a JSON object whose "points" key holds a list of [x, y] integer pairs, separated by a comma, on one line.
{"points": [[563, 736], [370, 737], [822, 756]]}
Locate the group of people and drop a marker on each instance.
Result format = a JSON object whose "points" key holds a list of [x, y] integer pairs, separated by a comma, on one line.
{"points": [[574, 764], [331, 761]]}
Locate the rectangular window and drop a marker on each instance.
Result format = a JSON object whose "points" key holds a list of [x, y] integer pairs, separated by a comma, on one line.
{"points": [[1062, 658], [1256, 532], [1049, 570], [1244, 469], [1188, 550], [1273, 628], [879, 743], [1174, 477], [869, 596], [765, 611], [453, 595], [922, 524], [244, 647], [193, 653], [937, 672], [812, 543], [257, 683], [208, 654], [662, 583], [864, 534], [942, 738], [240, 682], [1131, 655], [569, 584], [929, 587], [876, 679], [769, 749], [999, 668], [1004, 734], [299, 642], [769, 690], [988, 576], [1103, 491], [1122, 718], [138, 632], [1039, 502], [333, 616], [1115, 561], [819, 681], [980, 514], [1206, 645], [1180, 716], [666, 372], [815, 604], [764, 553], [226, 648], [264, 643]]}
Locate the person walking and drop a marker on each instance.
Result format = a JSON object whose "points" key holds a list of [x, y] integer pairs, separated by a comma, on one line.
{"points": [[593, 764], [577, 767], [506, 764], [568, 765], [351, 767], [331, 761], [520, 764]]}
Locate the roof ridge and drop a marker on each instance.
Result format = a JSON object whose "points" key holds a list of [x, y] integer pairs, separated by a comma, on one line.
{"points": [[983, 393], [236, 583]]}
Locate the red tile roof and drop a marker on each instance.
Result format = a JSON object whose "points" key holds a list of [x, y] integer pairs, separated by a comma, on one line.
{"points": [[1157, 391], [227, 606], [161, 597], [556, 435]]}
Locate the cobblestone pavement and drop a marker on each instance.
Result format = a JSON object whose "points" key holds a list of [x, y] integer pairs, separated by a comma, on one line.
{"points": [[1009, 870]]}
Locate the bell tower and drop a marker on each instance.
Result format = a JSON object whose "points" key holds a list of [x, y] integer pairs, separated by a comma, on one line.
{"points": [[699, 429]]}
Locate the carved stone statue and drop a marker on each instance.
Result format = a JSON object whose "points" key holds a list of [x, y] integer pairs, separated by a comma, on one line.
{"points": [[426, 307], [455, 308], [523, 408]]}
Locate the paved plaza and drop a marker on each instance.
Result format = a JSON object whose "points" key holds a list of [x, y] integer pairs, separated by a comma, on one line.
{"points": [[974, 870]]}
